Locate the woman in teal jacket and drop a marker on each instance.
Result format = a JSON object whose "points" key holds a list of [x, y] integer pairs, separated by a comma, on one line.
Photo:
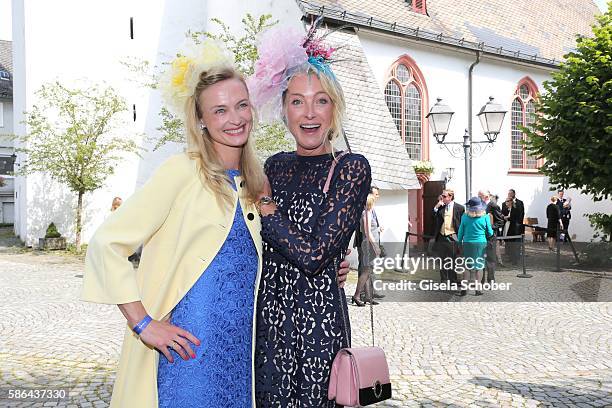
{"points": [[474, 229]]}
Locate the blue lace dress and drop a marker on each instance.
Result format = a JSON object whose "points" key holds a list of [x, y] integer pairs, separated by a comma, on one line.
{"points": [[302, 318], [218, 310]]}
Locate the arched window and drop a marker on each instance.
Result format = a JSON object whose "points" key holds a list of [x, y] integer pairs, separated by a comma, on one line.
{"points": [[523, 114], [406, 95]]}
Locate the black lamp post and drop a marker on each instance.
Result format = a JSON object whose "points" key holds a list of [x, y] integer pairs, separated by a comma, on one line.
{"points": [[491, 117]]}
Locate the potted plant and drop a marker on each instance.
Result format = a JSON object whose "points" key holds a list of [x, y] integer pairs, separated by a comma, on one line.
{"points": [[52, 240], [423, 170]]}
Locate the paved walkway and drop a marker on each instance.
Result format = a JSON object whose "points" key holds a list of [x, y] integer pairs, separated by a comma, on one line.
{"points": [[459, 353]]}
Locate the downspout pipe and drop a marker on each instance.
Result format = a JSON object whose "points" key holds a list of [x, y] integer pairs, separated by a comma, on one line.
{"points": [[468, 165]]}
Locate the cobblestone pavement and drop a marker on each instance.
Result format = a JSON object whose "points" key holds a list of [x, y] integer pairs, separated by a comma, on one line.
{"points": [[458, 353]]}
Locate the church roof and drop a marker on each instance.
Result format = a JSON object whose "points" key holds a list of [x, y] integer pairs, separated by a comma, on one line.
{"points": [[540, 32]]}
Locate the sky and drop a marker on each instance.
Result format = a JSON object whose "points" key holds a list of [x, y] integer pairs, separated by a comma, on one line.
{"points": [[6, 30], [601, 4]]}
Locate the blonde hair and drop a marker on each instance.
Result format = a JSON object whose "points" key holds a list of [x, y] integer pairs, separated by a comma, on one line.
{"points": [[450, 192], [332, 87], [200, 146], [554, 199], [370, 201], [476, 214]]}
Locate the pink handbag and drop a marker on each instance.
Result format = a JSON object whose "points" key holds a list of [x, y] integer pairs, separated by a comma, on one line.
{"points": [[359, 376]]}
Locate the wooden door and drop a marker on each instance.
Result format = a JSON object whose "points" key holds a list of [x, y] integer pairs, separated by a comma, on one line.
{"points": [[431, 191]]}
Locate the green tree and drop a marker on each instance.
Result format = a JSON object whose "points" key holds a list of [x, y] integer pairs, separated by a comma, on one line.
{"points": [[602, 223], [245, 47], [269, 138], [573, 131], [70, 137]]}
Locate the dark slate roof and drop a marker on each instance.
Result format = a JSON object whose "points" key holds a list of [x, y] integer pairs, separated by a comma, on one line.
{"points": [[6, 64], [370, 130], [540, 31]]}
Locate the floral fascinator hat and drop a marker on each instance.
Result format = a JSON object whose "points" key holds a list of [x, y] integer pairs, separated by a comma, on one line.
{"points": [[284, 51], [179, 81]]}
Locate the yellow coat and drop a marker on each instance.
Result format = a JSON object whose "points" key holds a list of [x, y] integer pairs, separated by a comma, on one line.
{"points": [[182, 228]]}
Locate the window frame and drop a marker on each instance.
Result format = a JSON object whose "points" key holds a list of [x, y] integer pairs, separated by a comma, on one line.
{"points": [[11, 166], [532, 97], [418, 80]]}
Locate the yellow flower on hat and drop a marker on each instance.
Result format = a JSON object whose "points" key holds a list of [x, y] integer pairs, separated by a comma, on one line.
{"points": [[180, 79], [180, 67]]}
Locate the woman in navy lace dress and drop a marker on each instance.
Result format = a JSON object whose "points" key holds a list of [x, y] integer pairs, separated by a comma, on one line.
{"points": [[302, 318]]}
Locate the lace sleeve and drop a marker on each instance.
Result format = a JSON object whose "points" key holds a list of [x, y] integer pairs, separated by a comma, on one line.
{"points": [[337, 221]]}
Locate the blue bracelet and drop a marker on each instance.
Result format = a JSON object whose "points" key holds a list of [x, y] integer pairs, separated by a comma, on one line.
{"points": [[142, 324]]}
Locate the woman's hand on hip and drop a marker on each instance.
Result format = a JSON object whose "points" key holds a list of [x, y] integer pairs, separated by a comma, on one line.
{"points": [[164, 336]]}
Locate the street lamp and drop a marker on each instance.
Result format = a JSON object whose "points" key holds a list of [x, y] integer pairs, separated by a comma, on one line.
{"points": [[450, 171], [439, 117], [491, 117]]}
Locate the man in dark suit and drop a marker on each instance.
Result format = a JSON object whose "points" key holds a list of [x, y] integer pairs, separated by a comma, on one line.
{"points": [[565, 209], [447, 218], [514, 215], [497, 222]]}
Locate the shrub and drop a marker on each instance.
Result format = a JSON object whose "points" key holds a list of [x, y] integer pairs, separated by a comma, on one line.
{"points": [[52, 232]]}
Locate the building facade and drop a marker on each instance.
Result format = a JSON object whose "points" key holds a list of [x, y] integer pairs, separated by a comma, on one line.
{"points": [[7, 182], [396, 58]]}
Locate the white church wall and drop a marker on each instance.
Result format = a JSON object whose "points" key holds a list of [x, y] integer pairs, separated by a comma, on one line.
{"points": [[86, 41]]}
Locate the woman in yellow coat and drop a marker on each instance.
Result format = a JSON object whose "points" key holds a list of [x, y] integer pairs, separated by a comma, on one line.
{"points": [[201, 232]]}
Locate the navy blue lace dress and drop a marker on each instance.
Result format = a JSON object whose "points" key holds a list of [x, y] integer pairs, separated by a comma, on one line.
{"points": [[301, 313], [218, 310]]}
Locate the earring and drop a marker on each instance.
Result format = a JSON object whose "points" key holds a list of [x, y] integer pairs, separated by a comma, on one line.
{"points": [[202, 127]]}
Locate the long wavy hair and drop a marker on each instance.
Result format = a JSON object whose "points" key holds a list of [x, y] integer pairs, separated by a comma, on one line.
{"points": [[200, 146]]}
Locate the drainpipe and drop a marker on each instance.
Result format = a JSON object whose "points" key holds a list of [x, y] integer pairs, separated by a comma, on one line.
{"points": [[468, 164]]}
